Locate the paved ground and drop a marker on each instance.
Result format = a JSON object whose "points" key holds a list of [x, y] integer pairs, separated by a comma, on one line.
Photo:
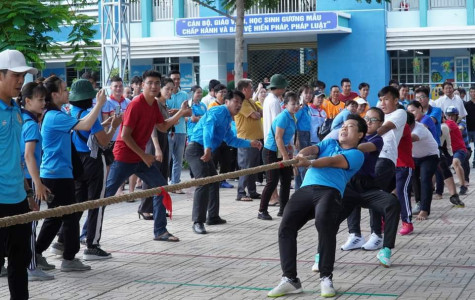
{"points": [[240, 260]]}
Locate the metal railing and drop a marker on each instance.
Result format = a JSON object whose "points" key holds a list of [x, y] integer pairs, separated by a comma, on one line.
{"points": [[447, 3], [404, 5], [192, 9], [285, 6], [162, 10], [135, 11]]}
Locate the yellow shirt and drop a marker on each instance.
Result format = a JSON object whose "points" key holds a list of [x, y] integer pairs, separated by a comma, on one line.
{"points": [[247, 127], [213, 104], [331, 109]]}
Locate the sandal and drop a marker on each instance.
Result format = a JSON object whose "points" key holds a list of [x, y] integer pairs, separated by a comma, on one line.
{"points": [[167, 237], [244, 198], [274, 204]]}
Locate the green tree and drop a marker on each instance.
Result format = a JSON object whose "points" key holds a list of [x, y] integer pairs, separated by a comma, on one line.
{"points": [[26, 25]]}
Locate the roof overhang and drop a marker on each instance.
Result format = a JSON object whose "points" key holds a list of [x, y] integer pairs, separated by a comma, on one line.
{"points": [[268, 25], [430, 38]]}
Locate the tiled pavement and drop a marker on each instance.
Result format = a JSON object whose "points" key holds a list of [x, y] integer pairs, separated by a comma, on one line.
{"points": [[240, 260]]}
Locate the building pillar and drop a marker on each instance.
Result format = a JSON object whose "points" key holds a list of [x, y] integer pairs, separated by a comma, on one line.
{"points": [[147, 16], [423, 9], [470, 14], [212, 61]]}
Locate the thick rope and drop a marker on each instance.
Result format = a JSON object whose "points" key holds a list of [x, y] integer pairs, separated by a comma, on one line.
{"points": [[78, 207]]}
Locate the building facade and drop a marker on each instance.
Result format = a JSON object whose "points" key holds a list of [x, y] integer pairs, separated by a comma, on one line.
{"points": [[413, 41]]}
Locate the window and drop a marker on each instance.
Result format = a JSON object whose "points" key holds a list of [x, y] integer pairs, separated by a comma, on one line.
{"points": [[404, 5], [462, 71], [410, 66]]}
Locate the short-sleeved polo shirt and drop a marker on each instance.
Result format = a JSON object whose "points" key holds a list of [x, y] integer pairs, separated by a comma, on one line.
{"points": [[285, 121], [11, 173], [30, 132], [334, 177], [175, 102], [56, 131], [80, 144]]}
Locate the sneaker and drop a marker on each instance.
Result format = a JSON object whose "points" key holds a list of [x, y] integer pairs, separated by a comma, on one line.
{"points": [[315, 264], [463, 190], [42, 264], [95, 254], [226, 185], [455, 200], [417, 209], [57, 248], [374, 243], [73, 265], [3, 271], [262, 184], [286, 286], [353, 242], [264, 216], [83, 242], [39, 275], [326, 287], [407, 228], [384, 256]]}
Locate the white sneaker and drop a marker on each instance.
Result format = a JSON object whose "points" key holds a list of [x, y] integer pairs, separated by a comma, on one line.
{"points": [[326, 287], [286, 286], [315, 264], [374, 243], [353, 242]]}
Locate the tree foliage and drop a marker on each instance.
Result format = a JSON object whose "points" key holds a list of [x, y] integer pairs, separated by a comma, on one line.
{"points": [[26, 25]]}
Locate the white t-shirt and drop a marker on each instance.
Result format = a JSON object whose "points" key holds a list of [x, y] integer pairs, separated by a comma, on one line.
{"points": [[444, 102], [207, 100], [426, 145], [445, 138], [270, 110], [392, 137]]}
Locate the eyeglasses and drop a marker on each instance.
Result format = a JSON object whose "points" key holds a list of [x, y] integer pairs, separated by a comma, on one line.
{"points": [[371, 120], [421, 97]]}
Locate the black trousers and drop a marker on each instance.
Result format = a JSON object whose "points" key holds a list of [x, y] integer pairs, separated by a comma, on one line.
{"points": [[225, 157], [206, 197], [310, 202], [272, 180], [91, 186], [380, 202], [63, 191], [15, 244]]}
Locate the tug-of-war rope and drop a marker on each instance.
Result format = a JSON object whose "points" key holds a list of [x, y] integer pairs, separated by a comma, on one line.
{"points": [[91, 204]]}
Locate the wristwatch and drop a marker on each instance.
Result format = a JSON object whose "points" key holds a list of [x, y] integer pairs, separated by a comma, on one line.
{"points": [[30, 193], [311, 163]]}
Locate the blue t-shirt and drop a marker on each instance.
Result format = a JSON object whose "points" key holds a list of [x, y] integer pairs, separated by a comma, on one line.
{"points": [[175, 102], [30, 132], [436, 113], [285, 121], [214, 128], [81, 146], [11, 173], [370, 158], [304, 119], [340, 119], [197, 110], [427, 121], [56, 131], [334, 177]]}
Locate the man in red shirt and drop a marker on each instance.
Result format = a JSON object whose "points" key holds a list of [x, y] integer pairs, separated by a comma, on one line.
{"points": [[346, 93], [458, 145], [141, 116]]}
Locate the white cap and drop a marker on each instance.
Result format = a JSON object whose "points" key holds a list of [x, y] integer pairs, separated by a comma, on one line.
{"points": [[14, 60], [360, 100]]}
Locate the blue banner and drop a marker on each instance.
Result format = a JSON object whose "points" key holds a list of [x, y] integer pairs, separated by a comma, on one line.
{"points": [[255, 24]]}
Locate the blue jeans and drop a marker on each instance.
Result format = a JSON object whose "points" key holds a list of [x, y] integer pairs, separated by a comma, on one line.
{"points": [[120, 171], [176, 144]]}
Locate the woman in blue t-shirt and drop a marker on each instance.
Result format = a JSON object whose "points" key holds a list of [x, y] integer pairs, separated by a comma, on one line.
{"points": [[56, 170], [198, 109], [277, 144], [32, 100]]}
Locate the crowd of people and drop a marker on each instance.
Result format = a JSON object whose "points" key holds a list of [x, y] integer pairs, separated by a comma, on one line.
{"points": [[66, 145]]}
